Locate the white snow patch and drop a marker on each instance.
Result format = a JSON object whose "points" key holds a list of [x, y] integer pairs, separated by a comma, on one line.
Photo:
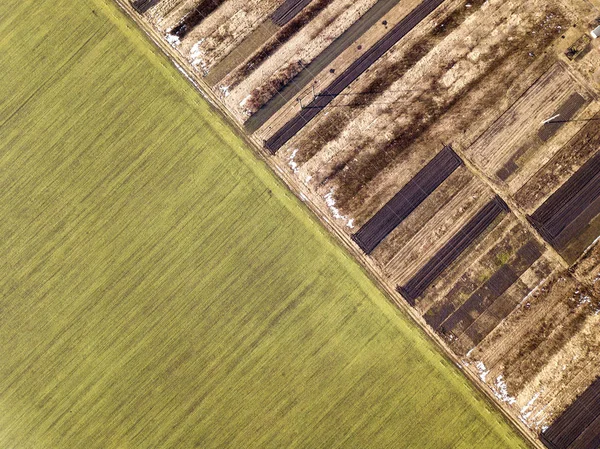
{"points": [[244, 101], [173, 40], [335, 211], [483, 371], [291, 162], [195, 51], [501, 391], [224, 90], [198, 57], [526, 411]]}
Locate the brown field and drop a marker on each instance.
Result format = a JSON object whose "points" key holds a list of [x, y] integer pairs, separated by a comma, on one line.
{"points": [[481, 76], [513, 143]]}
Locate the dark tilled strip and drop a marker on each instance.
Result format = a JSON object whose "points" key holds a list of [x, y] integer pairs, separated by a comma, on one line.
{"points": [[407, 199], [565, 113], [195, 17], [490, 291], [570, 201], [351, 73], [142, 6], [574, 421], [452, 250], [287, 11], [590, 437], [326, 57]]}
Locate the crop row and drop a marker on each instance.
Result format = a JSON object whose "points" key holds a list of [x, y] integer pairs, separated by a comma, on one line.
{"points": [[358, 67], [578, 427], [407, 200], [569, 202], [452, 250]]}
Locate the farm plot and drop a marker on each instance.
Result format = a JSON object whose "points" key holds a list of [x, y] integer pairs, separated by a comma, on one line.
{"points": [[416, 240], [321, 70], [143, 6], [159, 288], [437, 97], [276, 141], [568, 212], [446, 255], [515, 141], [579, 426], [550, 176], [207, 31], [288, 11], [545, 352], [462, 281], [288, 52], [407, 200]]}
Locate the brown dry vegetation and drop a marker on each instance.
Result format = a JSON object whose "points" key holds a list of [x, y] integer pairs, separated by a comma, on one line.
{"points": [[361, 166], [548, 178], [277, 41], [383, 77], [277, 81]]}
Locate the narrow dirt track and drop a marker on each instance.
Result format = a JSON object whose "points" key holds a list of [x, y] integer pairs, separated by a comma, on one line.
{"points": [[351, 73]]}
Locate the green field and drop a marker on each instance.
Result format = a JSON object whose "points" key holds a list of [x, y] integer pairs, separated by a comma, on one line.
{"points": [[159, 288]]}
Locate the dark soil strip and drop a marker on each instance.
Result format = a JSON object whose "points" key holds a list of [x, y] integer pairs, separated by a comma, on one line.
{"points": [[590, 438], [288, 11], [489, 292], [585, 143], [452, 250], [142, 6], [278, 41], [195, 17], [471, 279], [565, 113], [357, 68], [570, 201], [578, 426], [407, 200], [336, 48], [330, 127]]}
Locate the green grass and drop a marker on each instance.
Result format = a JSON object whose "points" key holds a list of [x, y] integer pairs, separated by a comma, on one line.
{"points": [[159, 288]]}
